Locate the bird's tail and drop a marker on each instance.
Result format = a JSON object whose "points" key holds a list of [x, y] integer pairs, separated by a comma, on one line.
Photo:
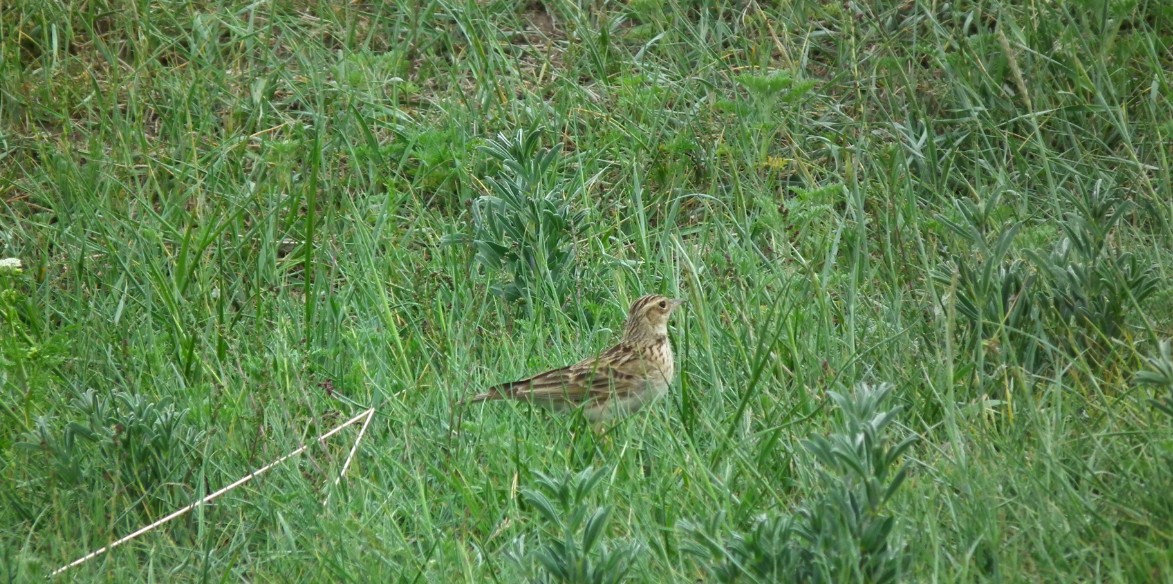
{"points": [[503, 391], [482, 397]]}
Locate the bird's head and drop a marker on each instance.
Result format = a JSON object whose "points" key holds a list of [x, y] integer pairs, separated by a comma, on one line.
{"points": [[648, 317]]}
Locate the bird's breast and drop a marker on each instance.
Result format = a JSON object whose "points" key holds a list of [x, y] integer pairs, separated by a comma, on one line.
{"points": [[663, 360]]}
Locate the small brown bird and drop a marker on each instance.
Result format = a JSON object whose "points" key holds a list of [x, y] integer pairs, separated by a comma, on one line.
{"points": [[618, 382]]}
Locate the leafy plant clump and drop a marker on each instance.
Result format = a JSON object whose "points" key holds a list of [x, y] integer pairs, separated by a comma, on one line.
{"points": [[577, 551], [844, 534], [1093, 284], [1159, 374], [1076, 296], [138, 446], [524, 228]]}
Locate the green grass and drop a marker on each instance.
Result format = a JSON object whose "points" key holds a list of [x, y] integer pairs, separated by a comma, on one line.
{"points": [[229, 213]]}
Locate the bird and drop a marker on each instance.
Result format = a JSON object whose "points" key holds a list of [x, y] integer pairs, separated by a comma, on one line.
{"points": [[619, 381]]}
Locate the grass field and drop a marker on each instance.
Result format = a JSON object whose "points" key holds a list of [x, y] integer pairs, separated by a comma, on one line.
{"points": [[241, 224]]}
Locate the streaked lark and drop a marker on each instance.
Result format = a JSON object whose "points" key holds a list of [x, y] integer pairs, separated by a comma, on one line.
{"points": [[620, 381]]}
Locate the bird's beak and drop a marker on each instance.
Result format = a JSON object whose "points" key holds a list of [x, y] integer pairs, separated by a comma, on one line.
{"points": [[676, 303]]}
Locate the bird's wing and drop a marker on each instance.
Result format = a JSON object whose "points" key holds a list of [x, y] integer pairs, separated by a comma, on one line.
{"points": [[592, 379]]}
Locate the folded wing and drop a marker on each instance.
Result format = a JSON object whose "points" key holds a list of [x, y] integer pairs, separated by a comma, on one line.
{"points": [[593, 380]]}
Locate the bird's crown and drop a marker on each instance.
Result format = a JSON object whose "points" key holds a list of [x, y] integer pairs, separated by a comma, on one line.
{"points": [[648, 317]]}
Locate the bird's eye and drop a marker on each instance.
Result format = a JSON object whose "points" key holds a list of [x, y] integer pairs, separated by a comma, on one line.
{"points": [[663, 304]]}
